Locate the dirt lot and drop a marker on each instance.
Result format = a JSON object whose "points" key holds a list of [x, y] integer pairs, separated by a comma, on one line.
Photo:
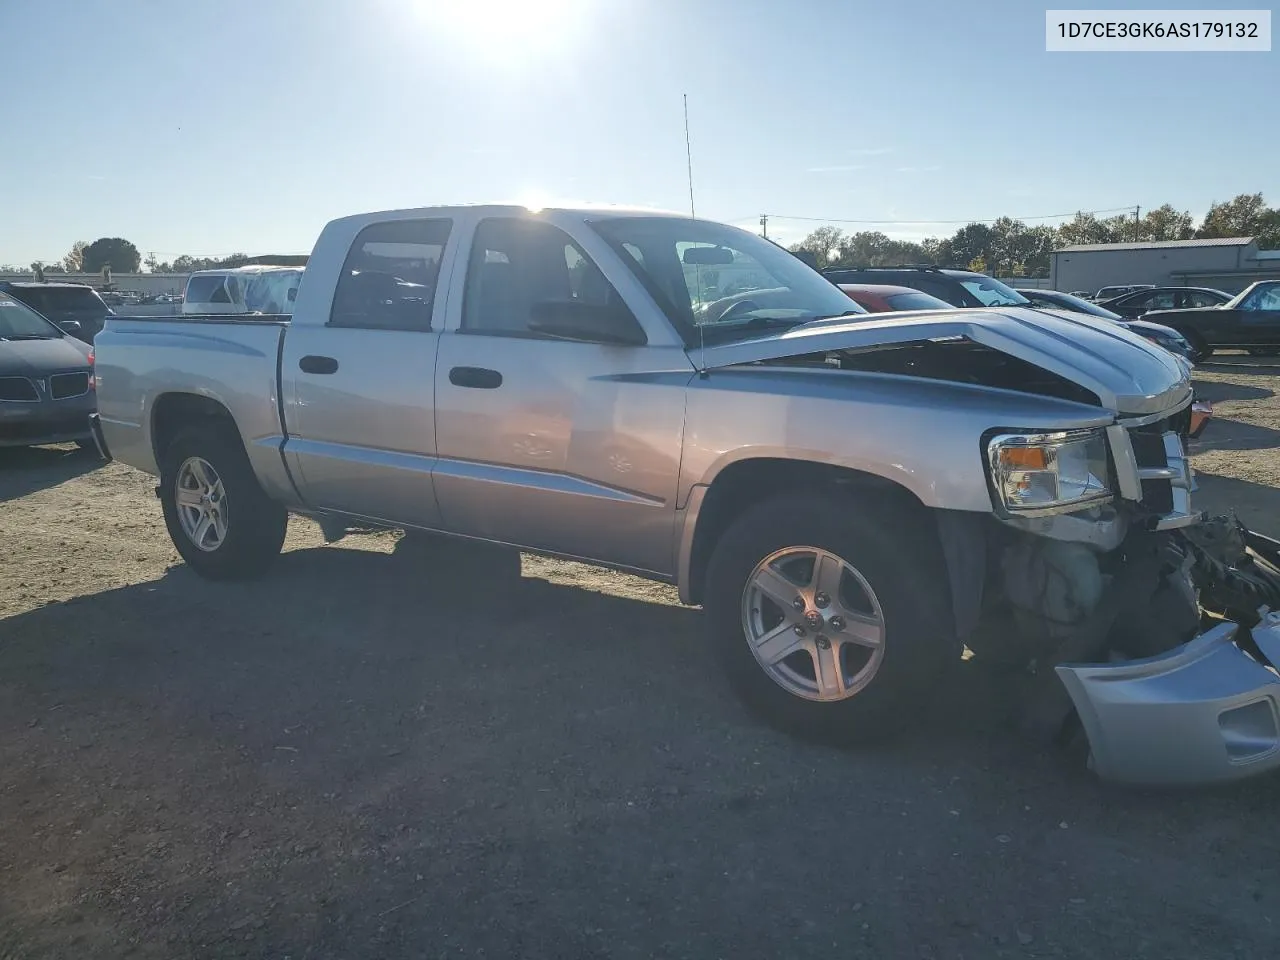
{"points": [[359, 758]]}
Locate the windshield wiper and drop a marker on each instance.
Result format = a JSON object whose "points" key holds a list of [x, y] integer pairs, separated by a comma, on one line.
{"points": [[835, 316]]}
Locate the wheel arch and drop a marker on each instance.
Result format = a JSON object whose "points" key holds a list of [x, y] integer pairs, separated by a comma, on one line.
{"points": [[173, 412], [712, 507]]}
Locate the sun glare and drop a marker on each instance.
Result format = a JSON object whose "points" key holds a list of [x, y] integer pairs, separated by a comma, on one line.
{"points": [[505, 28]]}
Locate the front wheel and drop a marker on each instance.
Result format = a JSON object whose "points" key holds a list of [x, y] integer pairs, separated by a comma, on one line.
{"points": [[222, 523], [830, 624]]}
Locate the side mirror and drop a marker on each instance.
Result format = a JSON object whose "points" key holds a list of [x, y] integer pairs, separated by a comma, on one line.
{"points": [[72, 327], [586, 322]]}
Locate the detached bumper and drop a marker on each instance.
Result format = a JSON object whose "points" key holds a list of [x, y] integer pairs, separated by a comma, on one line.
{"points": [[1204, 712]]}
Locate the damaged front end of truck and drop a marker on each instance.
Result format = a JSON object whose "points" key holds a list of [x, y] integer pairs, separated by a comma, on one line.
{"points": [[1132, 621]]}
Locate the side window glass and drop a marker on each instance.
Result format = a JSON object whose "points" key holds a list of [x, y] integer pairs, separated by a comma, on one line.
{"points": [[1157, 301], [1264, 298], [220, 294], [521, 267], [388, 281]]}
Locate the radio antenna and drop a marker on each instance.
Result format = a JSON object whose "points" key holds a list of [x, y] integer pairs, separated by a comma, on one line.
{"points": [[688, 159], [688, 154]]}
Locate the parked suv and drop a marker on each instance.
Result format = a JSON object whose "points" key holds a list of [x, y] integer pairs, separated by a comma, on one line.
{"points": [[960, 288], [76, 308]]}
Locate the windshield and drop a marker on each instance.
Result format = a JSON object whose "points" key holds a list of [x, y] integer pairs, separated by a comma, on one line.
{"points": [[65, 303], [1259, 296], [20, 322], [990, 292], [719, 281]]}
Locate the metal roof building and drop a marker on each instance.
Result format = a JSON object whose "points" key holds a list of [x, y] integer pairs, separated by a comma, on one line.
{"points": [[1227, 263]]}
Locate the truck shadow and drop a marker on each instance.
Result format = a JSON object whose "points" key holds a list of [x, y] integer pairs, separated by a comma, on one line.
{"points": [[300, 756], [24, 470], [1216, 391], [1224, 433], [1241, 363], [1257, 504]]}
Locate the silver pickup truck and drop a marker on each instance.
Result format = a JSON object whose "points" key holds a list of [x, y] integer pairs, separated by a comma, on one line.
{"points": [[853, 500]]}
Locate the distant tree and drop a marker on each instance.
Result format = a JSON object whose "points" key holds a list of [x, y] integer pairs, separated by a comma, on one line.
{"points": [[1085, 228], [978, 264], [187, 263], [824, 243], [970, 242], [1245, 215], [73, 262], [121, 255], [155, 265], [1166, 223]]}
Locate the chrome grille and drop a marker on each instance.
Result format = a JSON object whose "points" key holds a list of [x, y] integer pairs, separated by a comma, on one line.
{"points": [[18, 388], [1153, 469], [62, 386]]}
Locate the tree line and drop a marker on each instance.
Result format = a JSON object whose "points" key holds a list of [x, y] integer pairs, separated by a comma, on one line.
{"points": [[1005, 247], [122, 256], [1010, 248]]}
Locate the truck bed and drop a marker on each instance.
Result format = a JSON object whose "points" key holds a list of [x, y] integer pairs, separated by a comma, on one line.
{"points": [[229, 360]]}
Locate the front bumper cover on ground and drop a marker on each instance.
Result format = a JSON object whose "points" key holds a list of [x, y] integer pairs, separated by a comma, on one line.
{"points": [[1204, 712]]}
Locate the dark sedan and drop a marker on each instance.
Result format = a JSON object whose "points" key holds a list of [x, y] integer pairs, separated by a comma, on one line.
{"points": [[1248, 321], [1141, 302], [1157, 333], [46, 380]]}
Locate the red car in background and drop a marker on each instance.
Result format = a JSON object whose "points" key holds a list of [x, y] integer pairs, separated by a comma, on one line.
{"points": [[885, 298]]}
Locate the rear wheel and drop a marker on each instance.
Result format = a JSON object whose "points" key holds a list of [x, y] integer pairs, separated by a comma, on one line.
{"points": [[222, 523], [830, 624]]}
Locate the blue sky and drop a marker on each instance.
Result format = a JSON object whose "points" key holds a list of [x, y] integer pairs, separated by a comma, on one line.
{"points": [[245, 129]]}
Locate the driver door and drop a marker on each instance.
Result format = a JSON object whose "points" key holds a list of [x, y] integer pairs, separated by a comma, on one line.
{"points": [[565, 446]]}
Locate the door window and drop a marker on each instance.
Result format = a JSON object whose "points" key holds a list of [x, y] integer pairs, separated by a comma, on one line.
{"points": [[1163, 300], [518, 267], [1199, 298], [388, 281], [1264, 298]]}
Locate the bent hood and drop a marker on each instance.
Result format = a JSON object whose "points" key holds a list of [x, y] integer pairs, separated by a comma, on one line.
{"points": [[1128, 375], [37, 358]]}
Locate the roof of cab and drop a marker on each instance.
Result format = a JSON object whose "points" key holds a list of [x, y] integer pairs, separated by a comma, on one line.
{"points": [[586, 210]]}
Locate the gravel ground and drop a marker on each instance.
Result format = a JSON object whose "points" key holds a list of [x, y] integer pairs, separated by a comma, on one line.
{"points": [[363, 756]]}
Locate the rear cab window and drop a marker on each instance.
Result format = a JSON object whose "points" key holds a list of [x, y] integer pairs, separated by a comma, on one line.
{"points": [[389, 279], [208, 289]]}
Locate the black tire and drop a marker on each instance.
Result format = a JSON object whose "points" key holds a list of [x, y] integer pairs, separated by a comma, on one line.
{"points": [[898, 555], [255, 524], [1198, 343]]}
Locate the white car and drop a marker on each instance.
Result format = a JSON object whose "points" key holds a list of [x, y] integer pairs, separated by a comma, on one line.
{"points": [[255, 289]]}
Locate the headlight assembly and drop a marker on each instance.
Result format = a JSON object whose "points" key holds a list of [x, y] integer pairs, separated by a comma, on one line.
{"points": [[1042, 473]]}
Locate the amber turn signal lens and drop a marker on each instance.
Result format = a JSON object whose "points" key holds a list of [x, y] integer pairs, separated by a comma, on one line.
{"points": [[1024, 458]]}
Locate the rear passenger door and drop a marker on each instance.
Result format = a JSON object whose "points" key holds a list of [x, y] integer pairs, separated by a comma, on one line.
{"points": [[358, 384]]}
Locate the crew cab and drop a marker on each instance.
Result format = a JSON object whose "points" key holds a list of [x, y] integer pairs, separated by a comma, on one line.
{"points": [[852, 499]]}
